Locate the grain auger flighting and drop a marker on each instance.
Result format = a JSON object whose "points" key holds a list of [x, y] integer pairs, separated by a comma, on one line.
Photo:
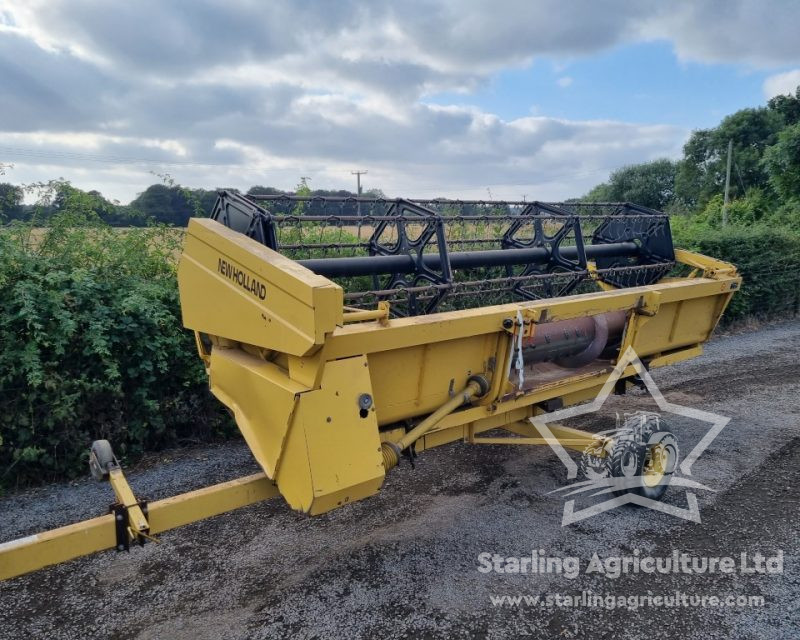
{"points": [[344, 334]]}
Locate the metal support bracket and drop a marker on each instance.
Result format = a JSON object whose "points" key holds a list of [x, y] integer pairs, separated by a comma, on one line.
{"points": [[650, 230], [523, 433], [396, 235], [130, 513], [530, 230], [121, 528]]}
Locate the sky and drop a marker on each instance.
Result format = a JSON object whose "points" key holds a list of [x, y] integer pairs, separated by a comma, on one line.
{"points": [[452, 98]]}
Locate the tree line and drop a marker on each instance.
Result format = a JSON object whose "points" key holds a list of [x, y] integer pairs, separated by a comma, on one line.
{"points": [[765, 170], [163, 203]]}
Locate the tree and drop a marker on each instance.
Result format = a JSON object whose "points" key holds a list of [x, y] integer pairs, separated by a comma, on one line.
{"points": [[10, 201], [650, 184], [787, 106], [302, 189], [165, 203], [98, 204], [207, 199], [782, 162], [258, 190], [599, 193], [701, 174]]}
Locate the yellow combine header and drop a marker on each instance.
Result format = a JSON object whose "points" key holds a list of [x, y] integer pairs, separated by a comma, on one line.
{"points": [[346, 334]]}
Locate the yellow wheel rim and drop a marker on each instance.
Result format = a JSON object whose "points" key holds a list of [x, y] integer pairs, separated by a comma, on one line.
{"points": [[654, 466]]}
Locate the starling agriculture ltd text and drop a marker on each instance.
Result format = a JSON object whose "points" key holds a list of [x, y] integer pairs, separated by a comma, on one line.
{"points": [[538, 562]]}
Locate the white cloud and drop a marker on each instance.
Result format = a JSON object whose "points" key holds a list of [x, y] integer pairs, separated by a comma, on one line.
{"points": [[782, 83], [435, 151], [759, 33], [235, 92]]}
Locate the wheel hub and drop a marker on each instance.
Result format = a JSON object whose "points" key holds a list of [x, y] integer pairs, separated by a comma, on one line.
{"points": [[655, 465]]}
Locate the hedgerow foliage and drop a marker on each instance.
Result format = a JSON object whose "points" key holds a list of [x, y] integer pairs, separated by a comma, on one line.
{"points": [[767, 257], [93, 345]]}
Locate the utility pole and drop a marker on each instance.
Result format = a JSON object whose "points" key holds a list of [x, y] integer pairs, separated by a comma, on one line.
{"points": [[727, 185], [358, 174]]}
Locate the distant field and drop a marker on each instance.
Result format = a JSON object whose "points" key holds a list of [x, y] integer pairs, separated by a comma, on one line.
{"points": [[315, 233]]}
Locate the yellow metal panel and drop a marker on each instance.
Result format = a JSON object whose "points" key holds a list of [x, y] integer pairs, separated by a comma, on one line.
{"points": [[307, 370], [332, 443], [401, 333], [294, 475], [580, 395], [261, 397], [284, 273], [232, 286], [678, 324], [315, 444], [419, 379], [676, 356]]}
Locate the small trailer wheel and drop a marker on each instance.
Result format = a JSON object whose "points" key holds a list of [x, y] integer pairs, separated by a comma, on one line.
{"points": [[101, 459]]}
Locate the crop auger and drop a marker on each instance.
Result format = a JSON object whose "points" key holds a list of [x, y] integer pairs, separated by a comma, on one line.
{"points": [[346, 333]]}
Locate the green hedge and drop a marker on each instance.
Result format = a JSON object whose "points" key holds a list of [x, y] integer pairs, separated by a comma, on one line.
{"points": [[768, 259], [93, 347]]}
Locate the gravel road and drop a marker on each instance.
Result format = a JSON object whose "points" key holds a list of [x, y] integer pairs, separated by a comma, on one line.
{"points": [[405, 562]]}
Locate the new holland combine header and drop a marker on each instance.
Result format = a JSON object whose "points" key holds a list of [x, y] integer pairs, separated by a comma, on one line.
{"points": [[346, 334]]}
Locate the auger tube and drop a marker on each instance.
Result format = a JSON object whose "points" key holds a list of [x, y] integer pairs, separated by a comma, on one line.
{"points": [[404, 263]]}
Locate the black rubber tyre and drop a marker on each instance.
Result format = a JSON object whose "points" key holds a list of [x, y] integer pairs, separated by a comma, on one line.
{"points": [[625, 462], [101, 459]]}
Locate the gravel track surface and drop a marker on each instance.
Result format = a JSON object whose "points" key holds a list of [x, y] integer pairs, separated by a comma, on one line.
{"points": [[404, 563]]}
